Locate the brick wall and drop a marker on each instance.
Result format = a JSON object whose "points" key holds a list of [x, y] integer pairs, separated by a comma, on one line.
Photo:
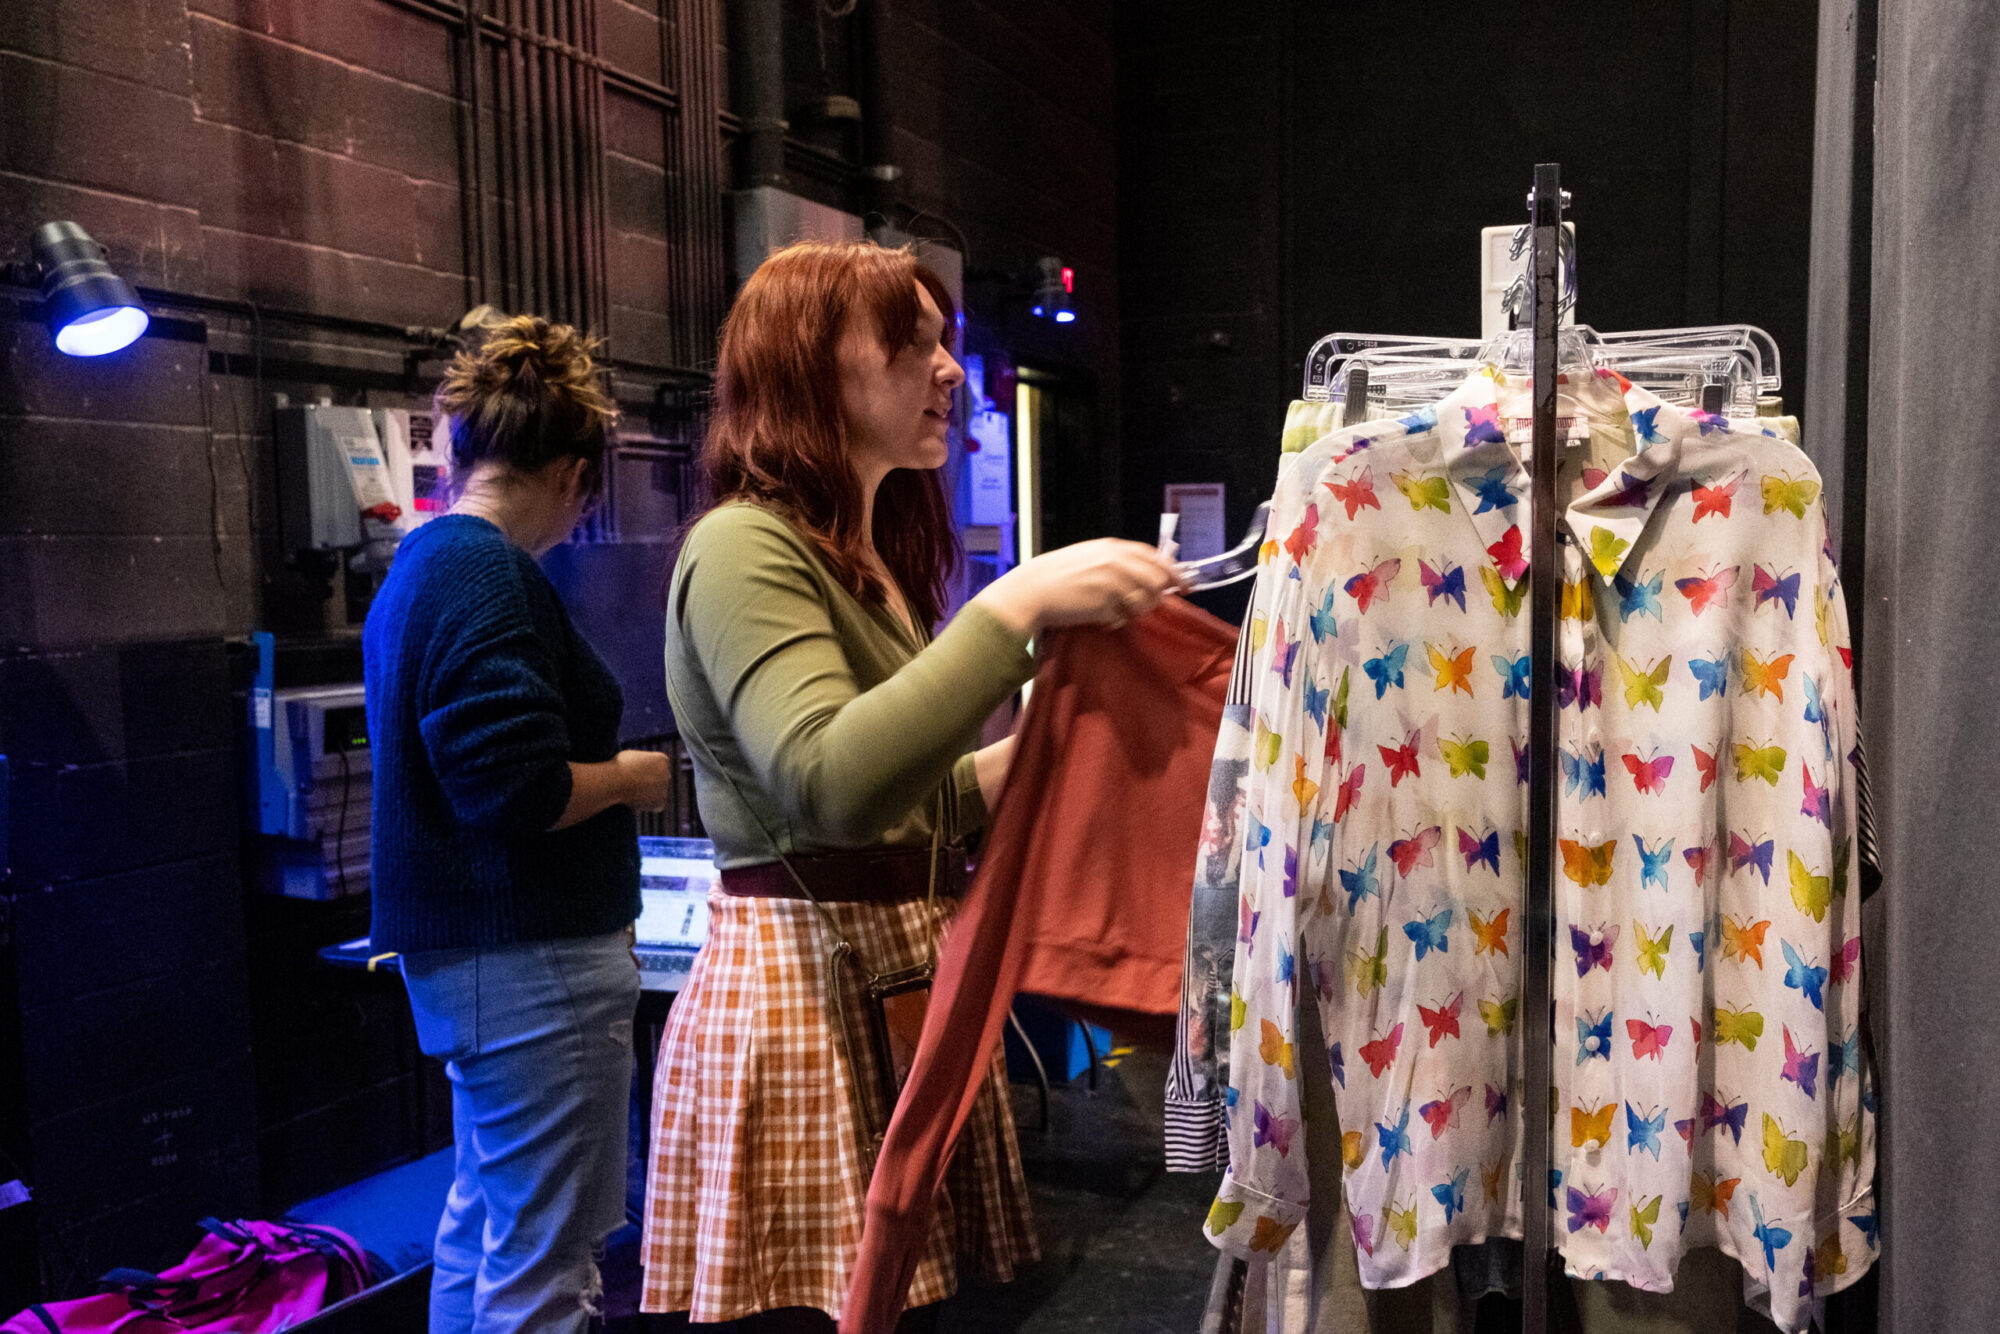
{"points": [[181, 1054], [295, 156], [125, 910]]}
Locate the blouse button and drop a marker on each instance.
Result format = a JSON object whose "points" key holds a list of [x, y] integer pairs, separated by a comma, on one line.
{"points": [[1593, 1044], [1597, 938]]}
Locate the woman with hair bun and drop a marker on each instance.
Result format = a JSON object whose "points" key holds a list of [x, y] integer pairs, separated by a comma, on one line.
{"points": [[506, 864], [832, 735]]}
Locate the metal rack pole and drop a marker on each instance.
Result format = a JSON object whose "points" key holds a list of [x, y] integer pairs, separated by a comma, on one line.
{"points": [[1538, 924]]}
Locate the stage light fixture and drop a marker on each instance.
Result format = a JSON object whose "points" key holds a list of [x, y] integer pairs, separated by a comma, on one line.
{"points": [[1054, 285], [91, 310]]}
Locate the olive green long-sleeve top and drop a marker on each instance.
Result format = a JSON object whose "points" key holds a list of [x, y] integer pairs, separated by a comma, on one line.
{"points": [[835, 722]]}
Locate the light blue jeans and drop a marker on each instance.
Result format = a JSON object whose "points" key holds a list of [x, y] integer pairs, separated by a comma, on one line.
{"points": [[537, 1042]]}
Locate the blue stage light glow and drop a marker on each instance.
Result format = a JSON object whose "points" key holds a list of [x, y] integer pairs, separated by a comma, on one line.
{"points": [[102, 331]]}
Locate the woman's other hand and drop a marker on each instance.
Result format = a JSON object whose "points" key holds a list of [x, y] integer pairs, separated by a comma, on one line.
{"points": [[648, 779], [1107, 581], [990, 765], [641, 779]]}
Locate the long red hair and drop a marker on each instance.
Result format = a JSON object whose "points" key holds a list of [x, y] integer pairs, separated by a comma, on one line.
{"points": [[778, 437]]}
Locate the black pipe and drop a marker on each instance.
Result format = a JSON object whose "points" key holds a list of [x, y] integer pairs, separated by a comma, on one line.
{"points": [[475, 257], [526, 185], [881, 178], [503, 176], [557, 202], [757, 40], [563, 156], [543, 163], [697, 291], [409, 333], [562, 163], [597, 215], [576, 140], [1538, 921], [521, 192]]}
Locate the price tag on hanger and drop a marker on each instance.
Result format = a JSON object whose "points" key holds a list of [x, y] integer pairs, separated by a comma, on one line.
{"points": [[1499, 270]]}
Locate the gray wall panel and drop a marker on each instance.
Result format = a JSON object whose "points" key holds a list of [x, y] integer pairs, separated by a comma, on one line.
{"points": [[1931, 667]]}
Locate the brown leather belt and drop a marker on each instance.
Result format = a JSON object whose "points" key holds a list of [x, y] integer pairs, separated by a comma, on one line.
{"points": [[878, 875]]}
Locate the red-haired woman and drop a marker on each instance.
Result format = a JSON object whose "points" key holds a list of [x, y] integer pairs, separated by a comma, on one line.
{"points": [[833, 738]]}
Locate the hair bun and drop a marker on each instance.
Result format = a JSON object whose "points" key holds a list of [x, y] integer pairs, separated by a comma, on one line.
{"points": [[526, 392]]}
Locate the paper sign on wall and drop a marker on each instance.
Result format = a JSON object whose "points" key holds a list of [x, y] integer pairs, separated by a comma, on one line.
{"points": [[1203, 526], [989, 467]]}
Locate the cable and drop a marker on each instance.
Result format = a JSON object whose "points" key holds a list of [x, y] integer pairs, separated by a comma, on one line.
{"points": [[214, 480], [257, 359], [340, 835], [957, 232], [242, 459]]}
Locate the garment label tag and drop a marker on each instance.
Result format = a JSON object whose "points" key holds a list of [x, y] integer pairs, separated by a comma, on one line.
{"points": [[1521, 431]]}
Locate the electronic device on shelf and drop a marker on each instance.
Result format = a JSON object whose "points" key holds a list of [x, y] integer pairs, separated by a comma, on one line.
{"points": [[674, 879], [312, 785]]}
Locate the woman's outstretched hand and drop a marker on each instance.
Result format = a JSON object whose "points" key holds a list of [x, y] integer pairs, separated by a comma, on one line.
{"points": [[1106, 581]]}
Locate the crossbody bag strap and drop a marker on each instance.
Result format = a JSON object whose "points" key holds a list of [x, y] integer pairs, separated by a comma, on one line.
{"points": [[843, 944], [843, 951]]}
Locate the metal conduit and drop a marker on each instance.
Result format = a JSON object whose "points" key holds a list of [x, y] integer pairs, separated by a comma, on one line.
{"points": [[756, 37], [695, 149], [537, 229], [598, 195]]}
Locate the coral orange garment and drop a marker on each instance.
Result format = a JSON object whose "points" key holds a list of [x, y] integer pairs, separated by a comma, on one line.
{"points": [[1083, 892], [1117, 805]]}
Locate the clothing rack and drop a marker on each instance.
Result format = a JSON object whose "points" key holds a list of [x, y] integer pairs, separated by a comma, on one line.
{"points": [[1724, 370], [1545, 208], [1550, 288]]}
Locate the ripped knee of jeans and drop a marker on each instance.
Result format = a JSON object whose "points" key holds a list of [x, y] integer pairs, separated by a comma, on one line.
{"points": [[591, 1298]]}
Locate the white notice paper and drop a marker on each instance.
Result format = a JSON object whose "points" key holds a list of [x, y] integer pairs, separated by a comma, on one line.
{"points": [[1203, 518]]}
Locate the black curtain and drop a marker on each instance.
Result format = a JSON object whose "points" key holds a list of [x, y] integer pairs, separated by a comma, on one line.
{"points": [[1905, 424]]}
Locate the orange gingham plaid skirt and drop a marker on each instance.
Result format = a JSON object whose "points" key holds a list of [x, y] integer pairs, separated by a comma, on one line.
{"points": [[758, 1176]]}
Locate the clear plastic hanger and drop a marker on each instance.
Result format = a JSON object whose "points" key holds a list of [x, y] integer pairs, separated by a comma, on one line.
{"points": [[1744, 345], [1234, 565], [1747, 336], [1723, 374], [1327, 357]]}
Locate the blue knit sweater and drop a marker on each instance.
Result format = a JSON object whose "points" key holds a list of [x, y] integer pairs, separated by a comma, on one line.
{"points": [[480, 693]]}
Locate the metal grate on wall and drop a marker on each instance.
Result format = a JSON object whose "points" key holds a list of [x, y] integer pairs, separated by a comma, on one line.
{"points": [[535, 175]]}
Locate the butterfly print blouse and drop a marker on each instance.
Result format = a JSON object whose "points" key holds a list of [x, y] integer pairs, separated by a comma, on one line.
{"points": [[1709, 1083]]}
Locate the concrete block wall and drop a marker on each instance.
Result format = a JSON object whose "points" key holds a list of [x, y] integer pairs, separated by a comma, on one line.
{"points": [[326, 155], [1005, 125], [180, 1054], [125, 915]]}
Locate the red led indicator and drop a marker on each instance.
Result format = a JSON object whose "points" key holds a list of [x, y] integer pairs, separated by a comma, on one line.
{"points": [[1069, 280]]}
